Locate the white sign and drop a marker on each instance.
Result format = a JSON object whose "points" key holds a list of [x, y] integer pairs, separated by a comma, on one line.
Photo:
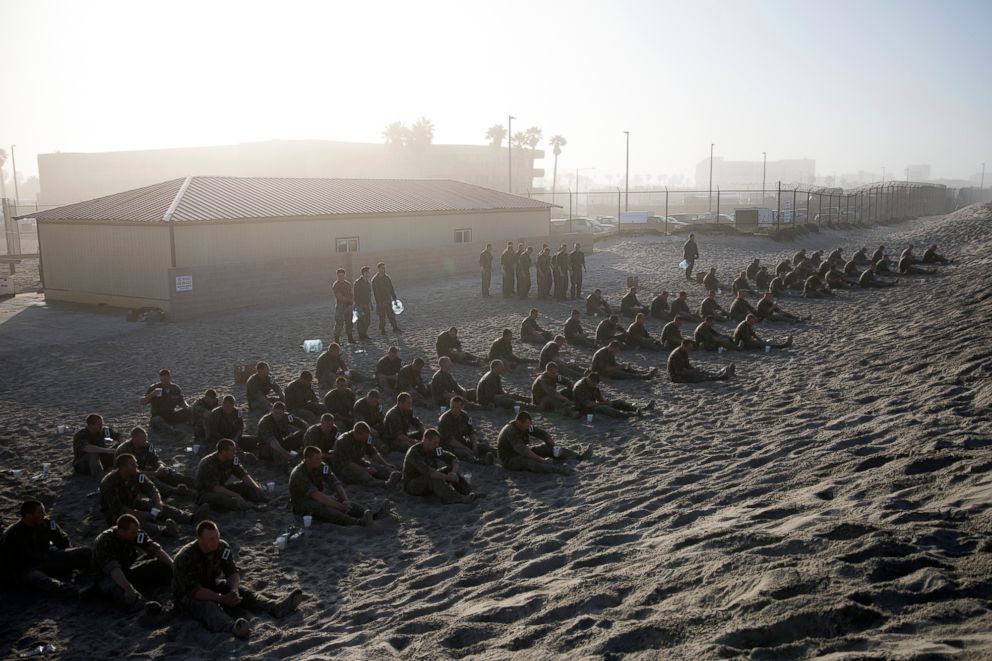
{"points": [[787, 212], [184, 283]]}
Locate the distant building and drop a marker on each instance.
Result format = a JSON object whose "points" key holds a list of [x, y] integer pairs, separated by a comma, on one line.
{"points": [[73, 177], [747, 174], [918, 173], [202, 244]]}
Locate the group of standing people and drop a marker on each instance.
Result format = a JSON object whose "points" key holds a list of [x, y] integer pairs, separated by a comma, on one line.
{"points": [[558, 274]]}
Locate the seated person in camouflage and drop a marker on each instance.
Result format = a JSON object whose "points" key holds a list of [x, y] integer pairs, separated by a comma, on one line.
{"points": [[762, 279], [129, 491], [589, 398], [710, 308], [767, 310], [709, 338], [930, 256], [739, 309], [400, 428], [609, 330], [639, 337], [906, 266], [168, 405], [387, 368], [261, 390], [880, 258], [741, 284], [223, 482], [356, 461], [852, 269], [813, 288], [314, 490], [340, 402], [428, 470], [552, 353], [793, 279], [369, 410], [860, 257], [206, 585], [502, 349], [517, 454], [301, 400], [784, 267], [123, 578], [710, 280], [671, 334], [322, 435], [752, 269], [490, 390], [680, 308], [545, 395], [777, 286], [834, 278], [410, 380], [280, 436], [458, 435], [531, 331], [444, 386], [747, 339], [660, 308], [868, 278], [199, 411], [36, 555], [630, 307], [449, 345], [680, 370], [835, 258], [605, 362], [93, 447], [225, 421], [331, 365], [596, 305], [167, 480], [575, 334]]}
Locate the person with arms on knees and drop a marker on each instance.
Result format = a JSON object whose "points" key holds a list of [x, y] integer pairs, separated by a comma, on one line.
{"points": [[314, 490], [261, 390], [36, 554], [596, 304], [711, 282], [814, 288], [517, 454], [709, 338], [165, 479], [225, 421], [710, 308], [638, 335], [340, 402], [129, 491], [552, 353], [767, 310], [741, 284], [906, 267], [609, 330], [168, 405], [444, 386], [747, 339], [387, 367], [575, 334], [356, 460], [680, 308], [385, 296], [930, 256], [369, 410], [410, 379], [545, 395], [199, 411], [301, 400], [660, 307], [630, 307], [740, 308], [401, 428], [93, 447], [429, 470], [502, 349], [280, 436], [490, 390], [331, 365], [671, 334], [752, 269], [531, 331], [344, 302], [206, 585], [605, 362], [589, 398], [458, 436], [322, 435], [868, 278], [449, 345], [762, 279], [680, 370], [123, 577], [223, 482]]}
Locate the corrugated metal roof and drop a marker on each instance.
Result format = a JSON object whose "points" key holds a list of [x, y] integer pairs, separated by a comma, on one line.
{"points": [[229, 198]]}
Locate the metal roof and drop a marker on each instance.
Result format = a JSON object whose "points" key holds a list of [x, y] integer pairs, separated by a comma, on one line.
{"points": [[193, 199]]}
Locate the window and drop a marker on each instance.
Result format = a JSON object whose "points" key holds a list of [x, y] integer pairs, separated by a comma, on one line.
{"points": [[463, 236], [347, 244]]}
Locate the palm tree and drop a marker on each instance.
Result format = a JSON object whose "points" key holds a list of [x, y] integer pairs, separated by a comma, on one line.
{"points": [[421, 133], [556, 142], [495, 135], [533, 136], [396, 135], [519, 139]]}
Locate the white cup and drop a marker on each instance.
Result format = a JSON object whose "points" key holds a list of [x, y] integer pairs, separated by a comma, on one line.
{"points": [[466, 476], [720, 350], [196, 448], [270, 487], [444, 409], [768, 348], [589, 417], [293, 453], [17, 472], [155, 512], [556, 451], [281, 543], [516, 408], [45, 468], [307, 521]]}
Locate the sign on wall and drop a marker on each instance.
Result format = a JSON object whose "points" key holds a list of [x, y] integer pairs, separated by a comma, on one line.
{"points": [[184, 283]]}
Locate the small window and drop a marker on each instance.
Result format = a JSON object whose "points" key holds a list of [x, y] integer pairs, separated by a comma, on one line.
{"points": [[463, 236], [347, 244]]}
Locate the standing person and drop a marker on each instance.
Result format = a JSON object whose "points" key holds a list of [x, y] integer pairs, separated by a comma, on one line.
{"points": [[385, 294], [523, 273], [363, 301], [544, 277], [168, 405], [344, 299], [508, 262], [486, 268], [35, 552], [690, 253], [577, 264], [561, 268]]}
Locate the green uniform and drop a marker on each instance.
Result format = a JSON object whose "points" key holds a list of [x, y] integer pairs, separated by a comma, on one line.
{"points": [[212, 472], [456, 436], [137, 560], [365, 411], [576, 335], [304, 483], [257, 390], [352, 458], [740, 308], [638, 336], [198, 413], [417, 481], [287, 433], [588, 398], [512, 445], [222, 425], [170, 406], [341, 402], [165, 478], [671, 336], [316, 437], [398, 422], [411, 380], [302, 401], [531, 331], [32, 555], [490, 392], [91, 463], [137, 493]]}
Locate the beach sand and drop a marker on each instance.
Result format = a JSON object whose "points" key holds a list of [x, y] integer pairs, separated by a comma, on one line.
{"points": [[831, 501]]}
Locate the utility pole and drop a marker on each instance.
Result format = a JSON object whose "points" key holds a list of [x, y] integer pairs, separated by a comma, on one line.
{"points": [[13, 166], [764, 164], [711, 177], [626, 178], [509, 154], [883, 174], [982, 185]]}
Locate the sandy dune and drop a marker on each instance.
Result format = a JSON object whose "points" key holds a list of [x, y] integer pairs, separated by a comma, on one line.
{"points": [[832, 500]]}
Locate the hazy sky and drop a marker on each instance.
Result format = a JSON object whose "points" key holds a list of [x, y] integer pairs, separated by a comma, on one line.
{"points": [[855, 85]]}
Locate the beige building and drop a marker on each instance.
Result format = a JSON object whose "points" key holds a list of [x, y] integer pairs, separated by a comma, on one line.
{"points": [[200, 244]]}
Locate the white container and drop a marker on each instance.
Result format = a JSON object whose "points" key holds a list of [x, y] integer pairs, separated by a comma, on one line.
{"points": [[270, 487], [281, 541], [196, 448], [720, 350], [397, 307], [313, 346], [155, 512], [556, 451], [589, 418], [6, 286], [45, 468], [768, 348], [516, 408], [307, 521], [444, 409], [466, 476]]}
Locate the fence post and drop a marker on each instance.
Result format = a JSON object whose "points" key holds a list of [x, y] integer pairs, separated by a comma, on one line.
{"points": [[795, 211], [666, 209], [717, 205], [619, 224], [778, 214]]}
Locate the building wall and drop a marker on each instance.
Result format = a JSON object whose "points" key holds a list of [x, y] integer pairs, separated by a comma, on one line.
{"points": [[203, 244], [116, 264]]}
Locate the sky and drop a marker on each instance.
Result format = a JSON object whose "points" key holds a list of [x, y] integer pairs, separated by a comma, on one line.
{"points": [[856, 85]]}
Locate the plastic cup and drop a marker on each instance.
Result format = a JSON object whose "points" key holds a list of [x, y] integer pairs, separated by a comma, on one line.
{"points": [[155, 512], [768, 348], [293, 453], [307, 521], [45, 468], [516, 408], [589, 418], [466, 476], [196, 448], [281, 543], [17, 472], [721, 350], [556, 451], [444, 409], [270, 487]]}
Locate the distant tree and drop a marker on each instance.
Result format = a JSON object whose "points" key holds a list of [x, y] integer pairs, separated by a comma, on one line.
{"points": [[534, 135], [556, 142], [396, 135], [495, 135], [421, 133], [520, 139]]}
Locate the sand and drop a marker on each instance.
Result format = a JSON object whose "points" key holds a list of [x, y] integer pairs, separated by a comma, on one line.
{"points": [[831, 501]]}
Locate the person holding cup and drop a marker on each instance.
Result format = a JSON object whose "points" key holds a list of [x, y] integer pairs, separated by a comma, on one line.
{"points": [[129, 491], [168, 405], [314, 490], [93, 447], [517, 454]]}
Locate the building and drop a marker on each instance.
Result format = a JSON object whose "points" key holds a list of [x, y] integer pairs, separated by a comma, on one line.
{"points": [[747, 174], [919, 173], [67, 178], [200, 244]]}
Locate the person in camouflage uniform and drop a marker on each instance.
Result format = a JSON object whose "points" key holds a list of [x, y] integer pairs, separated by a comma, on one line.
{"points": [[93, 447], [199, 411], [400, 428], [316, 491], [218, 488], [206, 585], [322, 435], [35, 553], [167, 480], [123, 578], [517, 454], [167, 402], [129, 491], [458, 435], [356, 461], [428, 470], [280, 436]]}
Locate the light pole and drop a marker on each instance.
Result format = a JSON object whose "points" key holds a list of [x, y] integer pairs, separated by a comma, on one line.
{"points": [[764, 164], [626, 178], [577, 171], [509, 153], [883, 174], [13, 166], [711, 177], [982, 184]]}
